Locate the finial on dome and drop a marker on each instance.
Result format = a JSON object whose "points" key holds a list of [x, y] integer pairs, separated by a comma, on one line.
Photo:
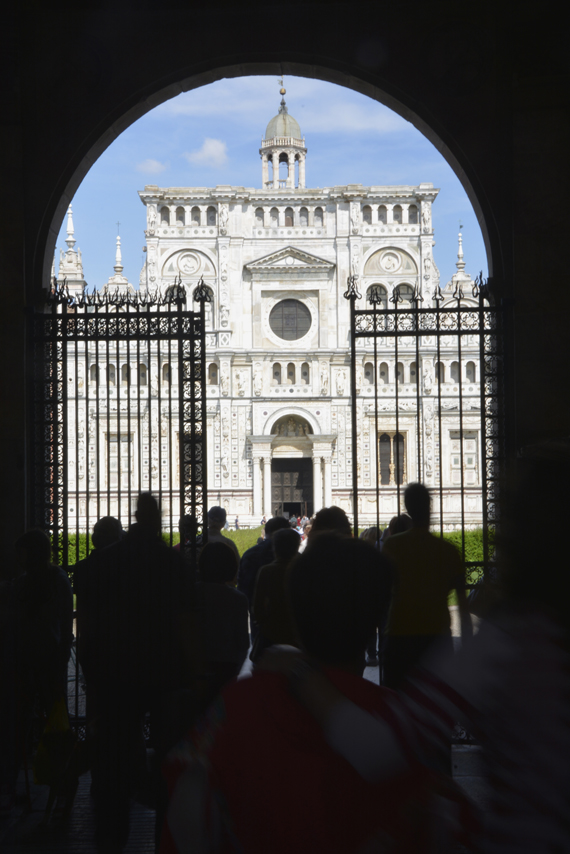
{"points": [[460, 263], [70, 239], [118, 259]]}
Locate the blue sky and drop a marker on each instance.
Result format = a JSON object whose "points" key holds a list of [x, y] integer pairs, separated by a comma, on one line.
{"points": [[212, 136]]}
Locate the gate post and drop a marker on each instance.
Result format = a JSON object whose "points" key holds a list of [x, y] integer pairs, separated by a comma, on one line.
{"points": [[352, 295]]}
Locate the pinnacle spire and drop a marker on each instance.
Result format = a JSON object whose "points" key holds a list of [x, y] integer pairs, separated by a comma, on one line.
{"points": [[118, 258], [70, 239], [460, 263]]}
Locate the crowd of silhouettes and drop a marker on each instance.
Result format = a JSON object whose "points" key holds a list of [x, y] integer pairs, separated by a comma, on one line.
{"points": [[305, 755]]}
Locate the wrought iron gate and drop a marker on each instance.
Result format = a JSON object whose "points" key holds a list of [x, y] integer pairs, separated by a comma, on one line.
{"points": [[427, 388], [117, 407]]}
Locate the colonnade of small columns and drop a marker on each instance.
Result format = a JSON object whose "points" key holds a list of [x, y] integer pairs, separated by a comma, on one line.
{"points": [[182, 215], [385, 213], [272, 216], [280, 155], [445, 371]]}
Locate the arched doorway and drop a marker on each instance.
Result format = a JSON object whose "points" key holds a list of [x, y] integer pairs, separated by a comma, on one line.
{"points": [[292, 468]]}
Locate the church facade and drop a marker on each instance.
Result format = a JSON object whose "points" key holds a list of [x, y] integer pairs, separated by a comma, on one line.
{"points": [[276, 260]]}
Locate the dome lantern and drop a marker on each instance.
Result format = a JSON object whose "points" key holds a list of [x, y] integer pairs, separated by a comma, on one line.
{"points": [[283, 143]]}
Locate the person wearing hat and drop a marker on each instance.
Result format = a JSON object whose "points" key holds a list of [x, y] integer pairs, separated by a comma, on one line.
{"points": [[216, 521]]}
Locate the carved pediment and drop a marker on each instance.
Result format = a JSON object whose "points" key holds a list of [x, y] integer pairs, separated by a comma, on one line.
{"points": [[290, 262]]}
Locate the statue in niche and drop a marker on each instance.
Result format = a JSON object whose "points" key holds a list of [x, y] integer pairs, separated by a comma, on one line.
{"points": [[291, 427], [225, 464], [428, 376], [355, 260], [340, 382], [283, 430], [426, 218], [152, 271], [302, 430], [257, 380], [427, 265], [354, 218], [225, 425], [224, 216], [324, 379], [227, 505], [224, 382], [240, 383], [224, 315]]}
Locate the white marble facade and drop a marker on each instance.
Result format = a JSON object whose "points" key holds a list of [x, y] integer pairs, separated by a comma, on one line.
{"points": [[277, 260]]}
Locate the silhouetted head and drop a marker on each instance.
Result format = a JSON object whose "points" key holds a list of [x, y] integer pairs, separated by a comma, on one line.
{"points": [[400, 524], [274, 524], [286, 543], [106, 531], [331, 519], [148, 513], [34, 550], [217, 563], [339, 586], [418, 504], [217, 518], [188, 526]]}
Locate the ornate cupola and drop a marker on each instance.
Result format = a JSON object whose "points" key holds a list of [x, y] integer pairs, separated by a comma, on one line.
{"points": [[283, 143]]}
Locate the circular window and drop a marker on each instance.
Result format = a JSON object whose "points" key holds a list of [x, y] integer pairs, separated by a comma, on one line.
{"points": [[290, 319]]}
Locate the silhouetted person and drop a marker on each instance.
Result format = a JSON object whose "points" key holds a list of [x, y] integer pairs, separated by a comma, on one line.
{"points": [[426, 570], [134, 603], [45, 601], [188, 528], [217, 520], [251, 562], [224, 617], [271, 600], [262, 755], [330, 519]]}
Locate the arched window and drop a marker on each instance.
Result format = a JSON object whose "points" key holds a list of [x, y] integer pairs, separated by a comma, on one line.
{"points": [[367, 214], [399, 462], [318, 217], [455, 372], [413, 372], [93, 373], [165, 215], [213, 374], [305, 373], [439, 372], [384, 374], [276, 374], [166, 374], [369, 373], [397, 213], [125, 374], [377, 295], [413, 215], [111, 374], [195, 215], [405, 294], [303, 216], [400, 373], [384, 454], [259, 216], [291, 373], [470, 372], [383, 214], [274, 217], [143, 374], [211, 216], [288, 217], [180, 216]]}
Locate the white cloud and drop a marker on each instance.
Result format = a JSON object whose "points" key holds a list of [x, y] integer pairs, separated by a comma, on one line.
{"points": [[151, 167], [213, 153]]}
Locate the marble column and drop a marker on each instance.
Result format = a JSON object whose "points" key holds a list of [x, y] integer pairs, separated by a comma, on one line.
{"points": [[267, 502], [257, 502], [328, 481], [276, 169], [291, 172], [264, 171], [301, 171], [317, 484]]}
